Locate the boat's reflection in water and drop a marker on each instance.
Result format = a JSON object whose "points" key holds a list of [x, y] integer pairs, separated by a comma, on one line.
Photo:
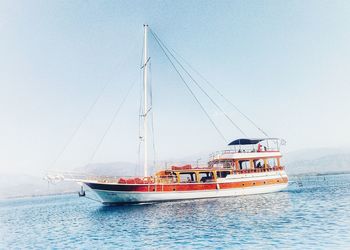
{"points": [[272, 204]]}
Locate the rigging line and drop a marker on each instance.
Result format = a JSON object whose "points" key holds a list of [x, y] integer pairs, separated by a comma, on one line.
{"points": [[197, 84], [85, 116], [189, 89], [111, 122], [93, 199], [75, 131], [220, 93]]}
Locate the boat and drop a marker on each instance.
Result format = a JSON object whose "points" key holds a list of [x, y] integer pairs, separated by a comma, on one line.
{"points": [[248, 169], [249, 166]]}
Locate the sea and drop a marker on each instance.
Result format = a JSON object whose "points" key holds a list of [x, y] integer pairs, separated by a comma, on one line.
{"points": [[313, 213]]}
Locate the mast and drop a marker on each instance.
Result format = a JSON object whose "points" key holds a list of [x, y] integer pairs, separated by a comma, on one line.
{"points": [[145, 108]]}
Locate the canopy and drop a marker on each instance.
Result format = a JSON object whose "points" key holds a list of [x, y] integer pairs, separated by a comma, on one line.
{"points": [[247, 141]]}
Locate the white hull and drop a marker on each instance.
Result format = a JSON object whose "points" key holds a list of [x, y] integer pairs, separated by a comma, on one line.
{"points": [[115, 197]]}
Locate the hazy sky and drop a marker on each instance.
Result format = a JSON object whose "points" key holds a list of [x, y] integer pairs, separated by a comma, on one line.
{"points": [[286, 64]]}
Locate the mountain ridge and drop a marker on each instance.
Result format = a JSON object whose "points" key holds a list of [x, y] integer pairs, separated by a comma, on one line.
{"points": [[319, 161]]}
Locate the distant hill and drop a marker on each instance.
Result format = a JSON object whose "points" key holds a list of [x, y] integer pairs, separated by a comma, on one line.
{"points": [[110, 169], [318, 161], [313, 153], [25, 185], [17, 185], [322, 160]]}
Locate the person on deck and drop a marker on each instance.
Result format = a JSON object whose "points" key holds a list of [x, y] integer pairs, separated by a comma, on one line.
{"points": [[258, 165]]}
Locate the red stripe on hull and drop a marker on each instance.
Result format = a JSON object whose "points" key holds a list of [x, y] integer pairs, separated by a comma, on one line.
{"points": [[184, 186]]}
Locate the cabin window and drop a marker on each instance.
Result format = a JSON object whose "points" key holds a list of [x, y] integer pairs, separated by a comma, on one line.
{"points": [[259, 163], [272, 162], [223, 164], [228, 164], [187, 177], [282, 163], [222, 174], [218, 165], [170, 177], [243, 165], [206, 177]]}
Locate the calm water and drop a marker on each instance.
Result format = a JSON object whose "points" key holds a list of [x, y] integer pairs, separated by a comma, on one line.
{"points": [[316, 216]]}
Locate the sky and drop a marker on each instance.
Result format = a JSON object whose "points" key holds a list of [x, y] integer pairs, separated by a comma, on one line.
{"points": [[285, 64]]}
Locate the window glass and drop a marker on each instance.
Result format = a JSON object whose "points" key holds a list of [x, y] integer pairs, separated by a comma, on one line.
{"points": [[206, 177], [187, 177], [259, 163], [228, 164], [272, 162], [222, 174], [244, 165]]}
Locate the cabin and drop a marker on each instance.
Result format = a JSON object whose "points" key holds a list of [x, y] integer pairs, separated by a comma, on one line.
{"points": [[248, 156]]}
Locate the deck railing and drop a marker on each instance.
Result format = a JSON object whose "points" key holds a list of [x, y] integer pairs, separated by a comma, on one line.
{"points": [[167, 179], [237, 150]]}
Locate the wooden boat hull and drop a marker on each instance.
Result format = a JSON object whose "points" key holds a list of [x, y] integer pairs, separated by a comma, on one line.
{"points": [[134, 193], [119, 197]]}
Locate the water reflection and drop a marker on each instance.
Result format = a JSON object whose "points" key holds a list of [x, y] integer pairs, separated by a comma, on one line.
{"points": [[274, 203]]}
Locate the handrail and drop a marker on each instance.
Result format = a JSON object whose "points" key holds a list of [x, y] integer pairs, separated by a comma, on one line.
{"points": [[238, 151], [233, 151]]}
